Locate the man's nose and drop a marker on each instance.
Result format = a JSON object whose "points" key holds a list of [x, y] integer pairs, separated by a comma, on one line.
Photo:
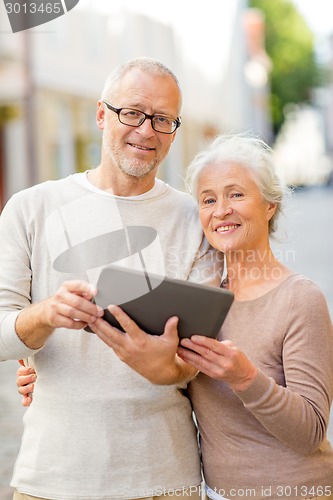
{"points": [[146, 129]]}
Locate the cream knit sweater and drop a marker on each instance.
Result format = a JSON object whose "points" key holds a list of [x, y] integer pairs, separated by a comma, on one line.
{"points": [[96, 429]]}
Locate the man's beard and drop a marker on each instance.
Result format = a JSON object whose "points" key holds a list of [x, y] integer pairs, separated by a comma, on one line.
{"points": [[137, 168], [132, 166]]}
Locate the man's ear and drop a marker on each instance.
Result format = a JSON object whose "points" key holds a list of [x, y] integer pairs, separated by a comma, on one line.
{"points": [[173, 136], [100, 115]]}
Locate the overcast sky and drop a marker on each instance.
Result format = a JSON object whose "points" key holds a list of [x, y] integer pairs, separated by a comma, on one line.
{"points": [[318, 15]]}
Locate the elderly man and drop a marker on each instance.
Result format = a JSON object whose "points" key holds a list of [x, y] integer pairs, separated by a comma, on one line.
{"points": [[97, 429]]}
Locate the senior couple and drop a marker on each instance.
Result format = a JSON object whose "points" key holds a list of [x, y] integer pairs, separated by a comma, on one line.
{"points": [[109, 419]]}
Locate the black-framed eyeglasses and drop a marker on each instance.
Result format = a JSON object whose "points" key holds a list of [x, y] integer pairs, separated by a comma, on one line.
{"points": [[135, 118]]}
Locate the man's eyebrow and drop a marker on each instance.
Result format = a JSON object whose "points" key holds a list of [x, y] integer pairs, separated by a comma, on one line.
{"points": [[132, 106], [138, 107]]}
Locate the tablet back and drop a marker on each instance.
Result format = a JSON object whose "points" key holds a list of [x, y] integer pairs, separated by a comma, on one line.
{"points": [[201, 309]]}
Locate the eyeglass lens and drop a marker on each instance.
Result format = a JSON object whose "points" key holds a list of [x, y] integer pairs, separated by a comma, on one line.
{"points": [[159, 123]]}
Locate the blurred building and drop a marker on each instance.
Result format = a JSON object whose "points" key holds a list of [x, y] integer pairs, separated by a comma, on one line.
{"points": [[304, 145], [257, 68], [329, 103], [301, 150], [51, 78], [13, 92]]}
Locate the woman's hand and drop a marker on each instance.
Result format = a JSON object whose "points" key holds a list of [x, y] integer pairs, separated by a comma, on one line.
{"points": [[152, 356], [26, 376], [219, 360]]}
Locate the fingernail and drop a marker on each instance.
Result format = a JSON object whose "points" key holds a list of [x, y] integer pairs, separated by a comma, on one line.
{"points": [[100, 311]]}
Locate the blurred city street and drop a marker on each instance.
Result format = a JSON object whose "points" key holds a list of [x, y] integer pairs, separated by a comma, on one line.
{"points": [[308, 248], [249, 71]]}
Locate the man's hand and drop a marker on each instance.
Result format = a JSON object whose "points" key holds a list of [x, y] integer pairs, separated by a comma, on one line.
{"points": [[152, 356], [70, 307], [26, 376]]}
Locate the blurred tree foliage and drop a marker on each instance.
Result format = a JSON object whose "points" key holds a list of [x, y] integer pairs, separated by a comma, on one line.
{"points": [[290, 46]]}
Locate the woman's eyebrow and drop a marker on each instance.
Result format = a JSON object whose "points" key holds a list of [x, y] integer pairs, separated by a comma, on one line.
{"points": [[228, 186], [205, 191]]}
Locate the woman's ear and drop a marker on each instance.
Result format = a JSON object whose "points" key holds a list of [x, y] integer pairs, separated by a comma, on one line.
{"points": [[271, 209]]}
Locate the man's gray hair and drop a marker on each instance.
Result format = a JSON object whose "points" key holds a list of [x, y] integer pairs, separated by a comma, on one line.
{"points": [[250, 152], [146, 65]]}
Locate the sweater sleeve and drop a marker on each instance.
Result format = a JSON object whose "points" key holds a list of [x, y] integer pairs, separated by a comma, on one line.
{"points": [[298, 413], [15, 278]]}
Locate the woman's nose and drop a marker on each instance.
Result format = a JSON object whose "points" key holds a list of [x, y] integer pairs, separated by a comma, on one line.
{"points": [[222, 209]]}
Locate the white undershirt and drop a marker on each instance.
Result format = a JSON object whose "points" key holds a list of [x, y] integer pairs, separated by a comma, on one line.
{"points": [[213, 494], [82, 178]]}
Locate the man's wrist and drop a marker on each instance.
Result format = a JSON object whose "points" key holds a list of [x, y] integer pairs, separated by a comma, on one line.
{"points": [[179, 373], [32, 332]]}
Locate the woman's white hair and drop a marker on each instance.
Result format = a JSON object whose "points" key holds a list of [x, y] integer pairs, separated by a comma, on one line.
{"points": [[250, 152]]}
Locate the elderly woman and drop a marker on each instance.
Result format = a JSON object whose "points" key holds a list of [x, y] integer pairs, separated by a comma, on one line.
{"points": [[262, 399]]}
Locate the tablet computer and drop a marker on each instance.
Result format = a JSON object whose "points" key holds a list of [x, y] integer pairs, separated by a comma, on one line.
{"points": [[150, 300]]}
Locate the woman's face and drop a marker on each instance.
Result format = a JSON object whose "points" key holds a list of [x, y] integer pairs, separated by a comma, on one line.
{"points": [[233, 213]]}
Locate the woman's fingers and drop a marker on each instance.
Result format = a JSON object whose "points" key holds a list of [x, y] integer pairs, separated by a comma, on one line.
{"points": [[26, 376]]}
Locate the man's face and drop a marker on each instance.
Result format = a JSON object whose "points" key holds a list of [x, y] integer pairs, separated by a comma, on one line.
{"points": [[138, 151]]}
